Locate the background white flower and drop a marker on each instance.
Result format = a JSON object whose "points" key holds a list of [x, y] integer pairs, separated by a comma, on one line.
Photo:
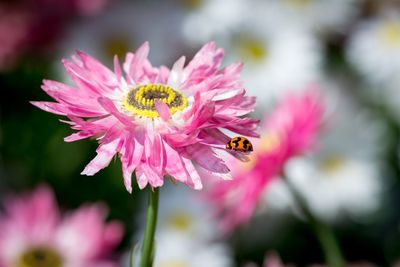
{"points": [[319, 16], [276, 61], [276, 58], [215, 18], [178, 251], [187, 235], [374, 49], [126, 26], [342, 179]]}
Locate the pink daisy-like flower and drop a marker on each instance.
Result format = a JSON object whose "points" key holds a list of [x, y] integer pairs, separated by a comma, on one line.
{"points": [[158, 120], [289, 131], [33, 233]]}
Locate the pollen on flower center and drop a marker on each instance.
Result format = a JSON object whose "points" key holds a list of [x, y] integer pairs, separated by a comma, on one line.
{"points": [[40, 257], [332, 164], [174, 263], [299, 4], [180, 221], [390, 33], [251, 49], [141, 100], [269, 142]]}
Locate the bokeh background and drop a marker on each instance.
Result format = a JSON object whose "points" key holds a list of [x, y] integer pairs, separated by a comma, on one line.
{"points": [[350, 48]]}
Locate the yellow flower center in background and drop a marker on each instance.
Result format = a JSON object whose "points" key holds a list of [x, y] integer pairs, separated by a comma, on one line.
{"points": [[192, 4], [299, 4], [116, 46], [174, 263], [269, 142], [390, 33], [332, 164], [141, 100], [180, 221], [40, 257], [251, 49]]}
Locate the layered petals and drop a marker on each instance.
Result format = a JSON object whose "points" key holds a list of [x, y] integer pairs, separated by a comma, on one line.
{"points": [[289, 131], [154, 135], [33, 222]]}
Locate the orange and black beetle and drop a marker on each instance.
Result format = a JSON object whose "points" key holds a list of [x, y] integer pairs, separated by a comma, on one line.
{"points": [[239, 143]]}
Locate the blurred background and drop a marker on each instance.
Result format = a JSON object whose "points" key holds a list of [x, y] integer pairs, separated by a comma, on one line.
{"points": [[351, 48]]}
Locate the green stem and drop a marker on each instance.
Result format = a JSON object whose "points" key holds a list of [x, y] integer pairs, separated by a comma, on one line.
{"points": [[332, 252], [146, 258]]}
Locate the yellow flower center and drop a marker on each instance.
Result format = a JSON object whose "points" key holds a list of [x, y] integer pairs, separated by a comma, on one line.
{"points": [[267, 143], [181, 221], [40, 257], [390, 33], [332, 164], [192, 4], [174, 263], [298, 4], [141, 100], [251, 49], [115, 46]]}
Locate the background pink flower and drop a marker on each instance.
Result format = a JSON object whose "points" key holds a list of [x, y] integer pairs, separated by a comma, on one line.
{"points": [[289, 131], [158, 120], [14, 31], [27, 25], [34, 232]]}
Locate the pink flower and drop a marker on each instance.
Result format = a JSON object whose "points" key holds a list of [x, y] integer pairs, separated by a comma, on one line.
{"points": [[33, 233], [158, 120], [89, 8], [272, 259], [14, 30], [289, 131], [33, 25]]}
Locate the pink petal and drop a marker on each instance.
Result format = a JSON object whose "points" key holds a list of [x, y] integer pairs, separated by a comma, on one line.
{"points": [[76, 74], [142, 180], [174, 165], [105, 153], [77, 136], [163, 75], [195, 180], [95, 242], [134, 64], [52, 107], [206, 158], [153, 178], [202, 116], [117, 68], [154, 159], [34, 215], [176, 74], [97, 71], [162, 109], [109, 106], [204, 64], [131, 155]]}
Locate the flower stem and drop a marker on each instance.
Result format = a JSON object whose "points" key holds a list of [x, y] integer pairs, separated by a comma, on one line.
{"points": [[146, 259], [326, 237]]}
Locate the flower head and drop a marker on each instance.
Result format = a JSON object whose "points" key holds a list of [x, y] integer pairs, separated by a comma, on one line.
{"points": [[341, 180], [186, 233], [14, 29], [157, 119], [269, 51], [34, 234], [289, 131], [374, 49]]}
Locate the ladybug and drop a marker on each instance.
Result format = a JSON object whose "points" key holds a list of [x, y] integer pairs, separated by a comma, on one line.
{"points": [[239, 143]]}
